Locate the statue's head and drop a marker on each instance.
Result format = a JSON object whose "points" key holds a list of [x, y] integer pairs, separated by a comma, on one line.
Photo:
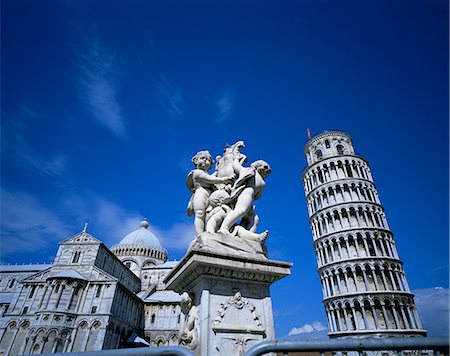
{"points": [[262, 167], [186, 300], [203, 160]]}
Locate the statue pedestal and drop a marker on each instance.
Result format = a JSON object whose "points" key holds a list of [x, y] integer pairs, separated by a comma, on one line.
{"points": [[232, 297]]}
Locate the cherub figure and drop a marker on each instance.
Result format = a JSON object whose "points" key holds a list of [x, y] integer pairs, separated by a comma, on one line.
{"points": [[219, 210], [248, 187], [189, 336], [201, 185]]}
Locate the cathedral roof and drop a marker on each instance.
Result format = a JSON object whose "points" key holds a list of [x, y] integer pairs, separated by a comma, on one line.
{"points": [[141, 237], [6, 298], [168, 296], [165, 265], [31, 267], [69, 274]]}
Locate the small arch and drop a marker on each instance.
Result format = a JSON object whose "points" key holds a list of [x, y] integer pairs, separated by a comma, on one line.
{"points": [[76, 257]]}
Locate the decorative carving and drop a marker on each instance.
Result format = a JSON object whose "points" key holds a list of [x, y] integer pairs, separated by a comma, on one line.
{"points": [[239, 303], [231, 273], [189, 335], [239, 344]]}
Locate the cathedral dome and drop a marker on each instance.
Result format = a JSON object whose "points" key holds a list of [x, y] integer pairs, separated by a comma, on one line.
{"points": [[141, 237], [140, 248]]}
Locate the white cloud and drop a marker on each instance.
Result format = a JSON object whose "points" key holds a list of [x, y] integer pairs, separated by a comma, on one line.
{"points": [[28, 225], [225, 105], [177, 237], [112, 222], [98, 86], [29, 112], [17, 149], [433, 307], [169, 96], [307, 328], [107, 221]]}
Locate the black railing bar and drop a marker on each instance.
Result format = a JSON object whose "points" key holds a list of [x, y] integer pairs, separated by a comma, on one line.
{"points": [[395, 344], [140, 351]]}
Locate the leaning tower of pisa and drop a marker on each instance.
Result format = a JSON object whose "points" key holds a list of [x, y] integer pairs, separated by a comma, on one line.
{"points": [[365, 292]]}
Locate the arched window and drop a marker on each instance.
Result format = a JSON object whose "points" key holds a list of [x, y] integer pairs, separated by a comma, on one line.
{"points": [[319, 154], [153, 318], [340, 149], [327, 143], [75, 297], [76, 257], [33, 288], [99, 290], [128, 264], [11, 284]]}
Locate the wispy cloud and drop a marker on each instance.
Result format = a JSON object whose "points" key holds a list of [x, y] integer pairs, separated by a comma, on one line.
{"points": [[169, 96], [29, 112], [113, 222], [28, 225], [99, 85], [433, 307], [177, 237], [287, 312], [17, 149], [225, 105], [307, 328]]}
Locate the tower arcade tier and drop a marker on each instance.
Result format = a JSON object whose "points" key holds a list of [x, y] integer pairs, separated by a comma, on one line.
{"points": [[364, 286]]}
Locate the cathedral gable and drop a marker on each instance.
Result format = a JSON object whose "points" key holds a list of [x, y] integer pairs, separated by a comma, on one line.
{"points": [[81, 238], [100, 275], [40, 276]]}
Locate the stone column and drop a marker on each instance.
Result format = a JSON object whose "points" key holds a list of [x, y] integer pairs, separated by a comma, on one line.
{"points": [[386, 319], [333, 287], [405, 283], [363, 312], [394, 313], [406, 321], [416, 318], [333, 318], [366, 284], [355, 318], [411, 317]]}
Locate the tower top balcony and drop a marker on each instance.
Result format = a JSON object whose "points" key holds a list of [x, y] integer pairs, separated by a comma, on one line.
{"points": [[328, 144]]}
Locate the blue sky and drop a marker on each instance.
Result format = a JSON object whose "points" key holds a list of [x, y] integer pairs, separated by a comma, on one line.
{"points": [[104, 103]]}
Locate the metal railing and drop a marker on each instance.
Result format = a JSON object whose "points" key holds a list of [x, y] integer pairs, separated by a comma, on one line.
{"points": [[399, 345], [439, 347], [140, 351]]}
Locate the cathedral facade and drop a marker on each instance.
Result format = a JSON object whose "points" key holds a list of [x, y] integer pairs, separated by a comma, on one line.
{"points": [[90, 298]]}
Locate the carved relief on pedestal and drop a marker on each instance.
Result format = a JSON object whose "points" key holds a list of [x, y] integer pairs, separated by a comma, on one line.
{"points": [[237, 326], [239, 303], [189, 335]]}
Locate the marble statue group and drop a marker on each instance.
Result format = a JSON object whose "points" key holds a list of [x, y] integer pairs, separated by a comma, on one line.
{"points": [[222, 202], [225, 276]]}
